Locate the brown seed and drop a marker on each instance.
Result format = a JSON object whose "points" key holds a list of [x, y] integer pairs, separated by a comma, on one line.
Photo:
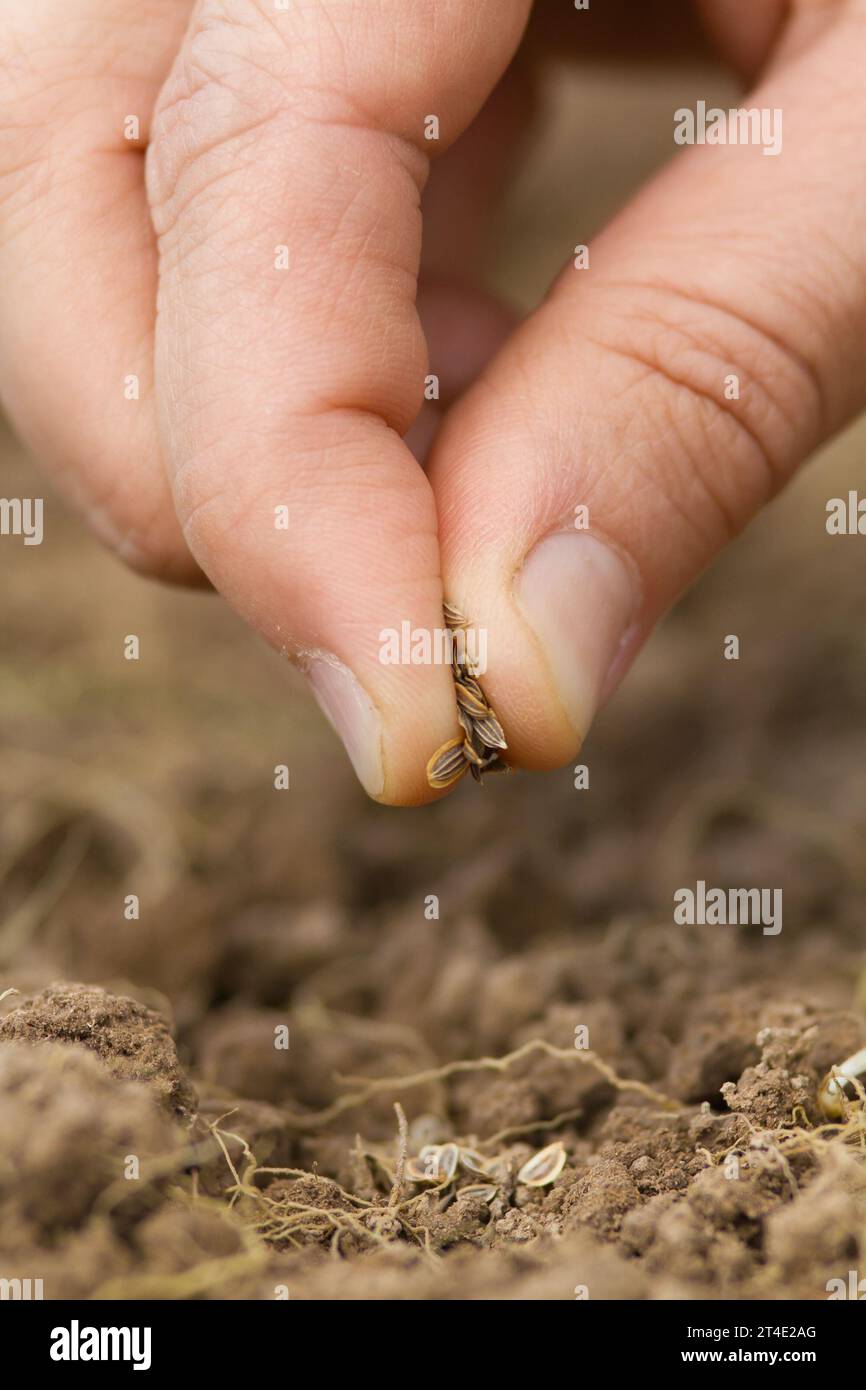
{"points": [[453, 617], [843, 1086], [484, 738], [490, 731], [473, 703], [473, 1163], [543, 1167], [447, 765], [448, 1158], [481, 1191], [470, 681], [421, 1170], [435, 1163]]}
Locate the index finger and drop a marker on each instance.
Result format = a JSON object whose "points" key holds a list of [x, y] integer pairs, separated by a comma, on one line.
{"points": [[285, 173]]}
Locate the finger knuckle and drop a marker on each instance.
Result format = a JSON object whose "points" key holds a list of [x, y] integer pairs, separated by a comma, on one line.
{"points": [[739, 403]]}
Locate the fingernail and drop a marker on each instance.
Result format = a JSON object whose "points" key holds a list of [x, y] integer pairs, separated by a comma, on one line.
{"points": [[580, 599], [353, 717]]}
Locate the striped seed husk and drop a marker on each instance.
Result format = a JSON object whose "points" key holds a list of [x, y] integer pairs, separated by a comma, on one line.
{"points": [[447, 765], [453, 617], [470, 699], [479, 747]]}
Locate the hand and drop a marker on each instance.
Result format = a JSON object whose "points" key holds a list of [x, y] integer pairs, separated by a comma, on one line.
{"points": [[272, 379]]}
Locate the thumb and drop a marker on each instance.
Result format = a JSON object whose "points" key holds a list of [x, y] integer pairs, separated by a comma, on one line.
{"points": [[660, 397], [285, 169]]}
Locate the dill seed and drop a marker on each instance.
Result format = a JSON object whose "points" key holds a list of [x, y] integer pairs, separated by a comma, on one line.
{"points": [[483, 739], [489, 730], [482, 1191], [453, 617], [474, 1163], [447, 765], [543, 1167], [419, 1170], [449, 1156], [474, 704]]}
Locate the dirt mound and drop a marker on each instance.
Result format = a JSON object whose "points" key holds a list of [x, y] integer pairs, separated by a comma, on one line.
{"points": [[133, 1041]]}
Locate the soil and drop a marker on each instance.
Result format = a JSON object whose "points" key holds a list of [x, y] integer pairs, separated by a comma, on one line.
{"points": [[158, 1139], [698, 1162]]}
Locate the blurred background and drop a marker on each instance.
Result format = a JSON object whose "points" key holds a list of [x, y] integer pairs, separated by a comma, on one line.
{"points": [[155, 778]]}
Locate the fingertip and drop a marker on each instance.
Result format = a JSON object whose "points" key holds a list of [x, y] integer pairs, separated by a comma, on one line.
{"points": [[353, 717], [579, 598], [388, 754], [555, 624]]}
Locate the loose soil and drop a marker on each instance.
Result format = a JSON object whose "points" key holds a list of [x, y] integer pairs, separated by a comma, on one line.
{"points": [[228, 1165]]}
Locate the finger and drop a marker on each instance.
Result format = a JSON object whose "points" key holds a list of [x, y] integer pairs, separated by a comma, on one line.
{"points": [[745, 34], [304, 129], [463, 328], [464, 324], [77, 259], [670, 390]]}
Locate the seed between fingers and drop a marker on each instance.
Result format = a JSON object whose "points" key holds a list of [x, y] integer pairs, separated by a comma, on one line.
{"points": [[483, 739]]}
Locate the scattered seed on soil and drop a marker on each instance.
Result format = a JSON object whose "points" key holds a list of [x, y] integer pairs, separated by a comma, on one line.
{"points": [[543, 1167], [420, 1170], [449, 1156], [482, 1191], [473, 1162], [842, 1085], [435, 1163]]}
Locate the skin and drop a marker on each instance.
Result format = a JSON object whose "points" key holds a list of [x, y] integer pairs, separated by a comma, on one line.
{"points": [[259, 387]]}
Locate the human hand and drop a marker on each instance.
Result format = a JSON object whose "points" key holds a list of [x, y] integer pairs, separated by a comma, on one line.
{"points": [[279, 378]]}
